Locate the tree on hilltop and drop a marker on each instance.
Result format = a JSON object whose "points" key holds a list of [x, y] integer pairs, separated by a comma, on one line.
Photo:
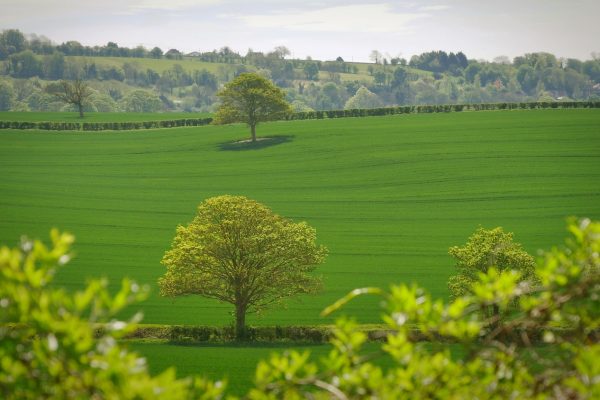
{"points": [[238, 251], [156, 52], [251, 98]]}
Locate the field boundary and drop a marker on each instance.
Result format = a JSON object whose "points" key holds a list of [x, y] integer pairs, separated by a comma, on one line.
{"points": [[330, 114], [445, 108], [284, 334], [104, 126]]}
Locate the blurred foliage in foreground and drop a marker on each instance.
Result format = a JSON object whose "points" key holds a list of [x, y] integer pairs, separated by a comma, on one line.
{"points": [[542, 344], [47, 344]]}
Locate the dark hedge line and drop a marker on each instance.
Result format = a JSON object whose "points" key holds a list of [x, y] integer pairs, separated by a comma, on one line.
{"points": [[120, 126], [297, 334], [104, 126], [439, 108], [183, 333]]}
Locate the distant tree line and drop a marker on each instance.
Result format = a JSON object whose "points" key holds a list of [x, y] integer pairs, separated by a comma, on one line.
{"points": [[436, 77], [13, 41]]}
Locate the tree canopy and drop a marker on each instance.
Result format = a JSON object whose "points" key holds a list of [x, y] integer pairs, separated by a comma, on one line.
{"points": [[238, 251], [363, 98], [487, 249], [251, 98]]}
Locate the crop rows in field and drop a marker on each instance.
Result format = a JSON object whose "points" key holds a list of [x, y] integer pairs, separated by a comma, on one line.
{"points": [[387, 195]]}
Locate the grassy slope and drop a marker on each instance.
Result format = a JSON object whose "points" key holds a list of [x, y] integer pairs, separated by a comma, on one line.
{"points": [[345, 77], [387, 195], [95, 117], [158, 65]]}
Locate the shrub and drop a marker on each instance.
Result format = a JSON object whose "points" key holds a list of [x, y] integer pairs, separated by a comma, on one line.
{"points": [[47, 344], [502, 359]]}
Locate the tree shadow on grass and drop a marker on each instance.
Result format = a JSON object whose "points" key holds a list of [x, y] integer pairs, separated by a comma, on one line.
{"points": [[261, 143]]}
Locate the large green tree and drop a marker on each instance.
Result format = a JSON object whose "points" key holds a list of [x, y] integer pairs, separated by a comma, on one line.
{"points": [[251, 98], [487, 249], [238, 251]]}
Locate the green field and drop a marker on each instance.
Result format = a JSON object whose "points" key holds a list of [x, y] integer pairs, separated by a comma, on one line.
{"points": [[234, 362], [96, 116], [158, 65], [387, 195], [237, 363]]}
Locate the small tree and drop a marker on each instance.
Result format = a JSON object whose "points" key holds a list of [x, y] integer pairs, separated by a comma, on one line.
{"points": [[238, 251], [156, 52], [376, 56], [363, 98], [76, 93], [487, 361], [141, 101], [311, 70], [251, 98], [487, 249]]}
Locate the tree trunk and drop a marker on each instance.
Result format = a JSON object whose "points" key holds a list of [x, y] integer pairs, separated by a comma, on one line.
{"points": [[240, 321], [495, 317], [80, 106], [253, 131]]}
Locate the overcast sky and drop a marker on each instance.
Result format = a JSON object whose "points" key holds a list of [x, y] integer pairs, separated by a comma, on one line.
{"points": [[322, 29]]}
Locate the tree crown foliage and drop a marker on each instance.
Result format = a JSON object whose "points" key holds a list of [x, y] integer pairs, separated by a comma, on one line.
{"points": [[486, 249], [251, 98], [363, 98]]}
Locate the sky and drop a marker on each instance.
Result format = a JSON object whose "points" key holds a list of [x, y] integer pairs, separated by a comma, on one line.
{"points": [[322, 29]]}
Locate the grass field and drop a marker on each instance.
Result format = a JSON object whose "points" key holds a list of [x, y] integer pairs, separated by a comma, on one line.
{"points": [[158, 65], [95, 117], [237, 363], [233, 362], [387, 195]]}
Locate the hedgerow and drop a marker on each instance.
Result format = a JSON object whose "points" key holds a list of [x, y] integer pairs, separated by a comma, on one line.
{"points": [[328, 114]]}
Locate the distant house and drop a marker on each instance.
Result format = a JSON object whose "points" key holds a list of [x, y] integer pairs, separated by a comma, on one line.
{"points": [[193, 54]]}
